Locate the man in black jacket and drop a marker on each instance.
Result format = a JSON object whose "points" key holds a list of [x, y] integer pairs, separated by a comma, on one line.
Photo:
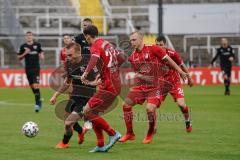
{"points": [[80, 38], [226, 55], [32, 52]]}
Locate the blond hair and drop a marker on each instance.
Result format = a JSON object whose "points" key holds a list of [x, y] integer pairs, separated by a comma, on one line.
{"points": [[137, 32]]}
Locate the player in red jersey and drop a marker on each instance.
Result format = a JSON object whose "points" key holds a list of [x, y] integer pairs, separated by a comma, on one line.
{"points": [[173, 77], [146, 61], [63, 52], [107, 60]]}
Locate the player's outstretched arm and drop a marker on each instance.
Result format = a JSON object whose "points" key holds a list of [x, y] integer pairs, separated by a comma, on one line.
{"points": [[176, 67], [60, 90]]}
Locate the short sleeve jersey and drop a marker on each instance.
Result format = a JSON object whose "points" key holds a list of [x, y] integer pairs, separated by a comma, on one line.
{"points": [[147, 61], [108, 63], [171, 74], [31, 59]]}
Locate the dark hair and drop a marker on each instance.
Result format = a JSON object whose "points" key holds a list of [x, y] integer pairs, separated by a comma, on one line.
{"points": [[87, 20], [91, 30], [161, 38], [66, 34], [29, 32]]}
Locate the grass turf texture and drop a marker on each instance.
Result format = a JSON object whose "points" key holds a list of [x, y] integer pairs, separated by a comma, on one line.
{"points": [[215, 136]]}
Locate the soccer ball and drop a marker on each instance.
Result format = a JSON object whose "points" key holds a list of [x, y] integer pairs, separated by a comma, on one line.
{"points": [[30, 129]]}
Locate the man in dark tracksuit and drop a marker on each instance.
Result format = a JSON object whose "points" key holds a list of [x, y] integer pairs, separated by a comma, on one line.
{"points": [[226, 55]]}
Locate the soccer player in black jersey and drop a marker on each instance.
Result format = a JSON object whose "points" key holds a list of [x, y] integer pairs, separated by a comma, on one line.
{"points": [[76, 64], [80, 38], [32, 52], [226, 55]]}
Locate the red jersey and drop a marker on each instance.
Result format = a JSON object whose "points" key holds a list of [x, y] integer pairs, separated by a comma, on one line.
{"points": [[63, 54], [108, 65], [172, 75], [147, 62]]}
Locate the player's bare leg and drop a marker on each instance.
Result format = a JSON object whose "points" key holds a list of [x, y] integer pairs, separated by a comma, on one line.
{"points": [[186, 113], [151, 112], [128, 118], [69, 123], [76, 127]]}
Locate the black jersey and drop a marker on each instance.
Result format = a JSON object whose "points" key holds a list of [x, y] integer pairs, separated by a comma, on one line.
{"points": [[75, 72], [224, 54], [80, 39], [32, 58]]}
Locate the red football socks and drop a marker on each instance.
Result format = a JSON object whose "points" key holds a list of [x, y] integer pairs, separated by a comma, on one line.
{"points": [[128, 117], [99, 134]]}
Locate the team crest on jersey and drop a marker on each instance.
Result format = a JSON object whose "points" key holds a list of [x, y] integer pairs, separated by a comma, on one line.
{"points": [[82, 69], [34, 47], [145, 68]]}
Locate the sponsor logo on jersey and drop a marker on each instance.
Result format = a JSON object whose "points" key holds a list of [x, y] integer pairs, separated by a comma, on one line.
{"points": [[33, 53], [226, 53]]}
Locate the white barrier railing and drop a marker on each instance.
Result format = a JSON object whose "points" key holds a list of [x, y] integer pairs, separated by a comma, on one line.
{"points": [[213, 48], [186, 37], [56, 49], [56, 52], [46, 9], [44, 12], [208, 45], [2, 58], [105, 19], [125, 11]]}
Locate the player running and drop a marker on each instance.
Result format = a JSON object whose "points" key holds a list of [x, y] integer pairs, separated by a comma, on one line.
{"points": [[108, 60], [173, 77], [74, 66], [32, 52], [226, 55], [146, 62]]}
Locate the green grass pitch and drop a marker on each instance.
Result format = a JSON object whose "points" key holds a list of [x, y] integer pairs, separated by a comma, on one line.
{"points": [[215, 136]]}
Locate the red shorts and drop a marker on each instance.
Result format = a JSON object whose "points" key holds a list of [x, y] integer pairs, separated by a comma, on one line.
{"points": [[139, 94], [176, 92], [105, 96]]}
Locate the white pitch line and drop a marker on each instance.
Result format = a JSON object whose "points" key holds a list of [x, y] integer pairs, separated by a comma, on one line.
{"points": [[7, 103]]}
